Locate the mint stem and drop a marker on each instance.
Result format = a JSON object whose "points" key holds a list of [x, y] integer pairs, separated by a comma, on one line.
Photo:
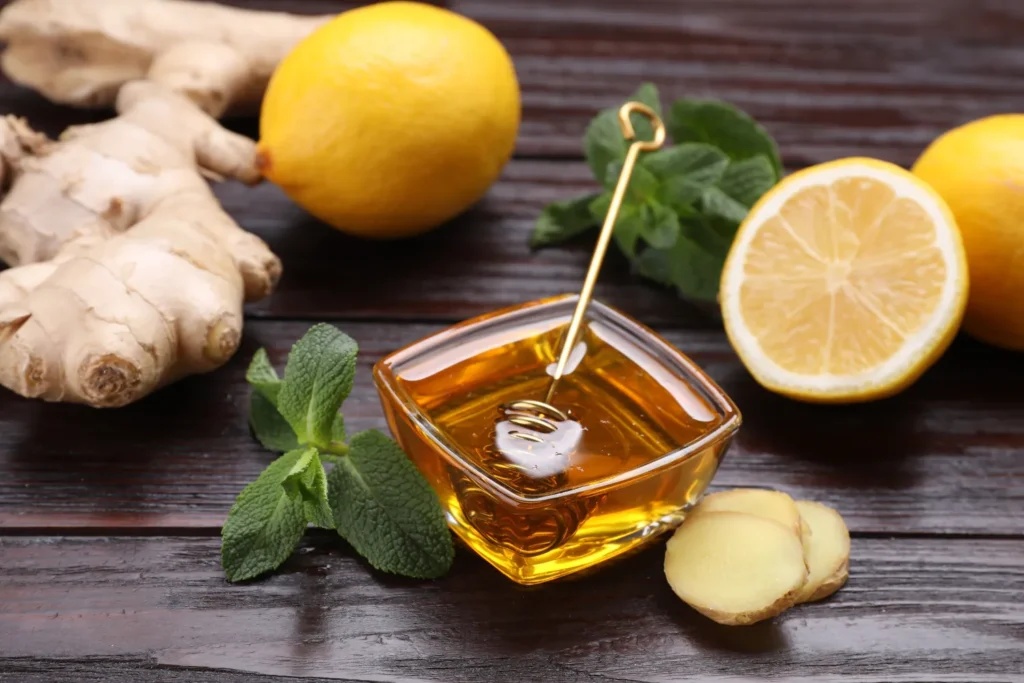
{"points": [[335, 451]]}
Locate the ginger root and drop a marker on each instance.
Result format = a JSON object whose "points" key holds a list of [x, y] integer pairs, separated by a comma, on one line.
{"points": [[128, 275], [81, 52], [826, 542], [745, 555], [735, 568], [774, 505]]}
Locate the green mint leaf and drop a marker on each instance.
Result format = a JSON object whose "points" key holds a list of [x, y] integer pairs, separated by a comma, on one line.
{"points": [[655, 264], [701, 163], [262, 376], [714, 202], [686, 171], [643, 185], [561, 221], [745, 181], [725, 126], [338, 430], [386, 510], [265, 523], [627, 226], [713, 233], [627, 230], [604, 143], [695, 271], [272, 430], [318, 378], [306, 482], [660, 226]]}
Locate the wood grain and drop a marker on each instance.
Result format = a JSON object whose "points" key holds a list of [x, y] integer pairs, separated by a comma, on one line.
{"points": [[881, 78], [478, 263], [913, 610], [945, 457]]}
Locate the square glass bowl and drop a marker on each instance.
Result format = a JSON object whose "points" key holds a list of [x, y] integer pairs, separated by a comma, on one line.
{"points": [[643, 434]]}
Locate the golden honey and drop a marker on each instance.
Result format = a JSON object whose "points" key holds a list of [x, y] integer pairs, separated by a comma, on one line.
{"points": [[644, 434]]}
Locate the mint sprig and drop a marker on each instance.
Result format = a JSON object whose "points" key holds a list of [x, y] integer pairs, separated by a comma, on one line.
{"points": [[387, 511], [374, 496], [684, 202]]}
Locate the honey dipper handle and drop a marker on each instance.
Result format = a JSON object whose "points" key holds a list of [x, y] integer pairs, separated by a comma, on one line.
{"points": [[609, 223]]}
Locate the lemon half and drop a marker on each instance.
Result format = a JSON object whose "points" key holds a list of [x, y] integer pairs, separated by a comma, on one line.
{"points": [[845, 282]]}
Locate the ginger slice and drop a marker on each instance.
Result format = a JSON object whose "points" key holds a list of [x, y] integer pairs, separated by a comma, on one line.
{"points": [[827, 550], [773, 505], [735, 568]]}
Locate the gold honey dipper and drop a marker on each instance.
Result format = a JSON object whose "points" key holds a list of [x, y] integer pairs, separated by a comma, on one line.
{"points": [[541, 416]]}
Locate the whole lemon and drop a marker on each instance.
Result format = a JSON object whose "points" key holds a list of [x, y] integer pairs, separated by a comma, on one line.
{"points": [[978, 169], [390, 119]]}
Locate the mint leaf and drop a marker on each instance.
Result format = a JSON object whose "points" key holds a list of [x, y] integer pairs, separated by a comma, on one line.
{"points": [[307, 483], [660, 226], [338, 430], [725, 126], [603, 142], [265, 523], [262, 376], [272, 430], [714, 202], [745, 181], [317, 379], [386, 510], [685, 171], [627, 230], [561, 221], [656, 265], [643, 185], [695, 272], [712, 233], [701, 163], [627, 226]]}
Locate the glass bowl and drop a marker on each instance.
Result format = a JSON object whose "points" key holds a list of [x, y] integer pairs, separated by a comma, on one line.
{"points": [[645, 430]]}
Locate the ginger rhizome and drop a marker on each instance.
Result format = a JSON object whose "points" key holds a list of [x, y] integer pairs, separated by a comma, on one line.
{"points": [[80, 52], [746, 555], [126, 273]]}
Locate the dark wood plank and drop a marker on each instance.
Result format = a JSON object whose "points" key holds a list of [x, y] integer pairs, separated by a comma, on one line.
{"points": [[945, 457], [128, 670], [479, 262], [914, 610], [881, 78]]}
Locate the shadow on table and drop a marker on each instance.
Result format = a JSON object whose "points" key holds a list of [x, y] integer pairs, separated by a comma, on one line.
{"points": [[880, 444], [581, 616]]}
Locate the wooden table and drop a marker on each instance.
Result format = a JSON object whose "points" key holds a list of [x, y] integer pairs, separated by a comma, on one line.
{"points": [[109, 521]]}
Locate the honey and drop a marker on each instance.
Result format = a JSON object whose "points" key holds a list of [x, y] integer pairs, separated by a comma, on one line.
{"points": [[643, 435]]}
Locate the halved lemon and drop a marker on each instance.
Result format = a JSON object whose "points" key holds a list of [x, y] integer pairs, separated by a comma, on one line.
{"points": [[846, 281]]}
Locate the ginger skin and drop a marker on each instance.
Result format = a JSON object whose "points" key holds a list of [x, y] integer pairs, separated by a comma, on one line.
{"points": [[80, 52], [129, 274], [126, 272]]}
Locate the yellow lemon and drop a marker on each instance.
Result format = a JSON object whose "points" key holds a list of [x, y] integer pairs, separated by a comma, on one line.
{"points": [[979, 170], [390, 119], [845, 282]]}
